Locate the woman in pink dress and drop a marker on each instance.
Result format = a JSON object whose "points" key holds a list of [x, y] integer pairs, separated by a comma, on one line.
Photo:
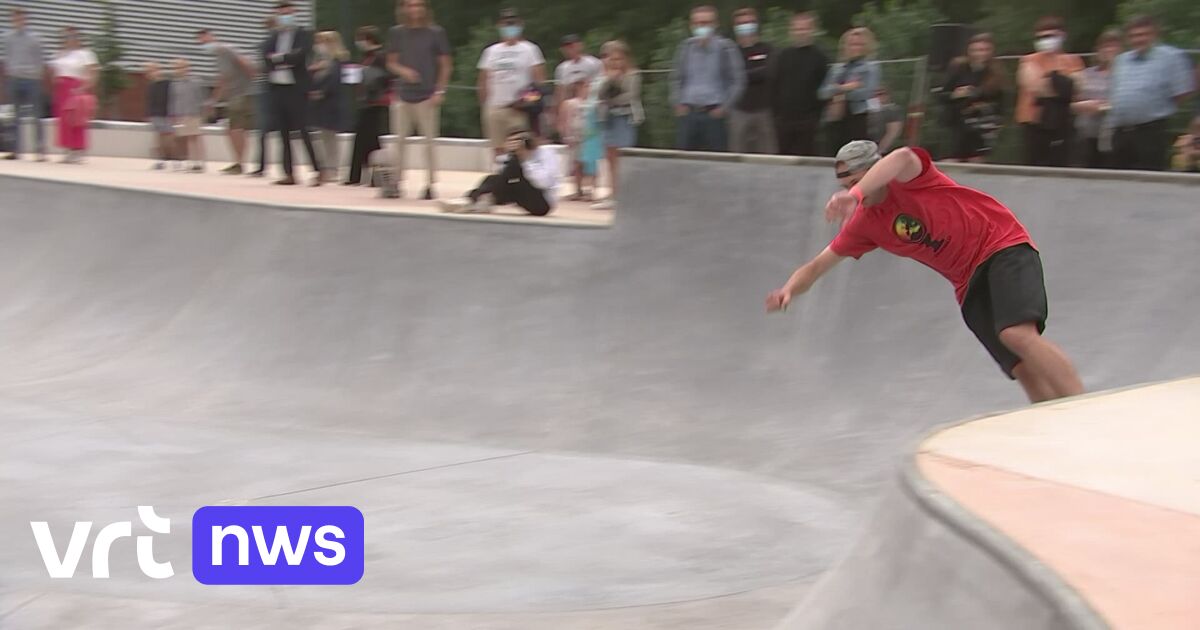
{"points": [[75, 72]]}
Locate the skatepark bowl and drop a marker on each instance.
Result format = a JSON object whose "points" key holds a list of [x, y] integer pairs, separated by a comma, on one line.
{"points": [[566, 427]]}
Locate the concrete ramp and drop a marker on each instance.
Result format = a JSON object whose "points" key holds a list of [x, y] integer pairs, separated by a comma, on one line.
{"points": [[544, 427]]}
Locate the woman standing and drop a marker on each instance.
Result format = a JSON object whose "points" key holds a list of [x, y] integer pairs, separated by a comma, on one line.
{"points": [[374, 95], [328, 102], [76, 70], [1091, 109], [974, 94], [850, 85], [617, 94]]}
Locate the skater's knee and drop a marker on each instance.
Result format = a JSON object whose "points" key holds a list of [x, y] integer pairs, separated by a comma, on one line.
{"points": [[1019, 338]]}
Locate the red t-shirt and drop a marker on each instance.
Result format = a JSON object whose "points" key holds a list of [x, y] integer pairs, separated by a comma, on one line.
{"points": [[936, 222]]}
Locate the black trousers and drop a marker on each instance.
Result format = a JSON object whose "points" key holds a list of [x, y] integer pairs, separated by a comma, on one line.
{"points": [[510, 186], [1093, 157], [797, 136], [852, 127], [1047, 147], [291, 114], [372, 123], [1142, 147]]}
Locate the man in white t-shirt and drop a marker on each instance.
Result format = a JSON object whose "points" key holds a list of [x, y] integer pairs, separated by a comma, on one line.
{"points": [[576, 66], [506, 69], [526, 175]]}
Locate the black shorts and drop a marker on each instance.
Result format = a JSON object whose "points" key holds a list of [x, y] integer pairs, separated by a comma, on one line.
{"points": [[1006, 290]]}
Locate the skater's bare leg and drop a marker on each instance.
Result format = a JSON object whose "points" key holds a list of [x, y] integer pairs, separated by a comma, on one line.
{"points": [[1036, 388], [1042, 358]]}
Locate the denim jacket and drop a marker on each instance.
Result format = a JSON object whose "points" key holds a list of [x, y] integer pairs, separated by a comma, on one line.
{"points": [[865, 71]]}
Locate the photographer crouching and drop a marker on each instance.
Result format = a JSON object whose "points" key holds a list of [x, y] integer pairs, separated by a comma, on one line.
{"points": [[527, 176]]}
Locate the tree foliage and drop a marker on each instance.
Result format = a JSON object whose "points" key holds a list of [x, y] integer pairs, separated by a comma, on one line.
{"points": [[108, 52]]}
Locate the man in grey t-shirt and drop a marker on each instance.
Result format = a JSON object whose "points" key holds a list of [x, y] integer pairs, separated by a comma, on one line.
{"points": [[235, 75], [418, 53]]}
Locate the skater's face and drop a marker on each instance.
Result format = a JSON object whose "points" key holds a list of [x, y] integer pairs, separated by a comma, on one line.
{"points": [[846, 178]]}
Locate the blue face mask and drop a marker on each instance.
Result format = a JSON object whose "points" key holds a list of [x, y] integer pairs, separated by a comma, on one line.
{"points": [[286, 20], [745, 30], [511, 31], [702, 31]]}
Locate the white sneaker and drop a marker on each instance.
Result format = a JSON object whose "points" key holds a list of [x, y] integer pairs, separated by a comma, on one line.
{"points": [[606, 204], [483, 206], [455, 206]]}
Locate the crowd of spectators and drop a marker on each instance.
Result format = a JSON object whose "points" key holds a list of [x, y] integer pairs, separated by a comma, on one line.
{"points": [[740, 94]]}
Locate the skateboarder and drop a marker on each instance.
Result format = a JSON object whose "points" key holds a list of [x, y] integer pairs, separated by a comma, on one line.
{"points": [[905, 205]]}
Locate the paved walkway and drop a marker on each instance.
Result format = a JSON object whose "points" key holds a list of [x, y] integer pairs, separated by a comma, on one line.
{"points": [[129, 173]]}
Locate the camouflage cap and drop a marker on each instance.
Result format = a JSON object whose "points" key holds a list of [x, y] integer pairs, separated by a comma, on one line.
{"points": [[858, 155]]}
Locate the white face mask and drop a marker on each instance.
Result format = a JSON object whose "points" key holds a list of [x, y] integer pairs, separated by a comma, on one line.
{"points": [[1052, 43]]}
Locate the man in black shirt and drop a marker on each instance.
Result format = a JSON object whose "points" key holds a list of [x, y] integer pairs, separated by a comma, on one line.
{"points": [[750, 125], [798, 73]]}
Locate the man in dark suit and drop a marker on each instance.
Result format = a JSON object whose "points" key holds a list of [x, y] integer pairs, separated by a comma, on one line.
{"points": [[286, 58]]}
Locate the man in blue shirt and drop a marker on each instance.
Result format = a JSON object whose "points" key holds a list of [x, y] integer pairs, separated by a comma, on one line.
{"points": [[1149, 83], [708, 79]]}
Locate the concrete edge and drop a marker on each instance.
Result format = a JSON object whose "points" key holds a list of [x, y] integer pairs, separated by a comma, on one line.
{"points": [[952, 167], [1040, 577], [398, 212]]}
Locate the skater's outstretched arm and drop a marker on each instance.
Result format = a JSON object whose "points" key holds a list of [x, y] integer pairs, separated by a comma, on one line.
{"points": [[900, 165], [802, 280]]}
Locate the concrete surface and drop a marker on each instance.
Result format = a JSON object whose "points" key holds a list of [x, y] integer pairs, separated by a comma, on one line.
{"points": [[544, 427]]}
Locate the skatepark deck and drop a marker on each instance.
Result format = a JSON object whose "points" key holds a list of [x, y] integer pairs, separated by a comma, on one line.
{"points": [[544, 427]]}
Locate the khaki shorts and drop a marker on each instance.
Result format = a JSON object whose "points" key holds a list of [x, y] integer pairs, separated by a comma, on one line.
{"points": [[188, 126], [239, 113], [498, 121]]}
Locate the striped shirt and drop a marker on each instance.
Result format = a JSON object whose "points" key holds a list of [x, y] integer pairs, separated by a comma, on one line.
{"points": [[1144, 86]]}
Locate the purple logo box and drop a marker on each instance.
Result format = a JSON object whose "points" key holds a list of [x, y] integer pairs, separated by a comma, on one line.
{"points": [[277, 545]]}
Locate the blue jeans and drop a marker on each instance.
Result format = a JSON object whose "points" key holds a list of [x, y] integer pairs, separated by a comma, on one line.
{"points": [[26, 97], [699, 131]]}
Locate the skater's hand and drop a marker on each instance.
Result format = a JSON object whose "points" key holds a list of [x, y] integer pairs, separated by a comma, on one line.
{"points": [[841, 205], [778, 300]]}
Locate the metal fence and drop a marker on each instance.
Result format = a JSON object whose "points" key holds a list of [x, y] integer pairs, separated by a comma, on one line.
{"points": [[910, 84]]}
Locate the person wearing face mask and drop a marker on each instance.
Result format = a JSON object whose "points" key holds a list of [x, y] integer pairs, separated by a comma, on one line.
{"points": [[850, 86], [973, 95], [234, 77], [286, 57], [507, 71], [904, 205], [707, 79], [1091, 108], [798, 74], [1045, 90], [751, 128], [374, 97], [326, 100], [1149, 83]]}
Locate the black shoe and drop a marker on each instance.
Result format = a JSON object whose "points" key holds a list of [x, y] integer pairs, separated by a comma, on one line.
{"points": [[349, 183], [258, 173], [428, 196], [13, 156], [286, 181]]}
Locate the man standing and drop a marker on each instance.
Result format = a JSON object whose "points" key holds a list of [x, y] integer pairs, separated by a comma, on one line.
{"points": [[506, 70], [1148, 84], [286, 58], [751, 127], [419, 56], [234, 77], [575, 67], [799, 73], [25, 65], [707, 79], [903, 204]]}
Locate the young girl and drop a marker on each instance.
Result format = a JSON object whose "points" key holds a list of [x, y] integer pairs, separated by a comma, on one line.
{"points": [[186, 109], [591, 139], [571, 126]]}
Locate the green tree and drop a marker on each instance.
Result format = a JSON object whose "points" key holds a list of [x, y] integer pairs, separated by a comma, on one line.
{"points": [[1178, 19], [109, 52], [902, 28]]}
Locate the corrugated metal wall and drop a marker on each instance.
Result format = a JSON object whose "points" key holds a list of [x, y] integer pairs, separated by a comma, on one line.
{"points": [[158, 30]]}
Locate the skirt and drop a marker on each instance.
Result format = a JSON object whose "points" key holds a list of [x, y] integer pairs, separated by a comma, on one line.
{"points": [[620, 132], [74, 108]]}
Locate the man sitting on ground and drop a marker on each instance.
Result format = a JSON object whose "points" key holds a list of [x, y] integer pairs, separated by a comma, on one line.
{"points": [[528, 177]]}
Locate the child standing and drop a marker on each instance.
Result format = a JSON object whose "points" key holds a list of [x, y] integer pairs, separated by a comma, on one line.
{"points": [[591, 141], [187, 104], [571, 126], [158, 104]]}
